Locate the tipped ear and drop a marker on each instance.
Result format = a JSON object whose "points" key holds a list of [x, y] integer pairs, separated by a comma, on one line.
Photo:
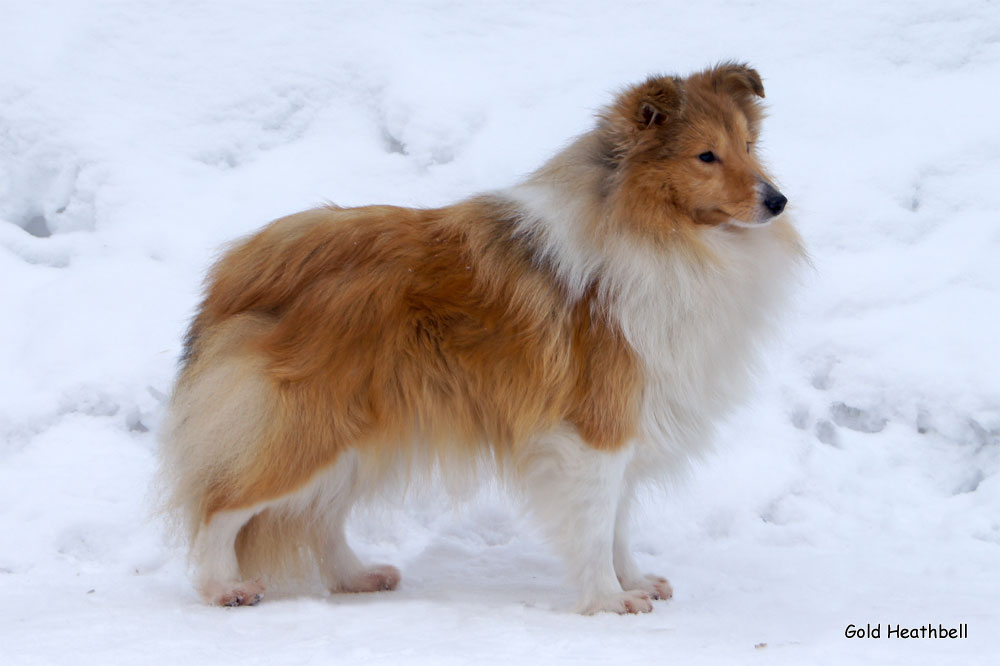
{"points": [[653, 102], [627, 122], [740, 81]]}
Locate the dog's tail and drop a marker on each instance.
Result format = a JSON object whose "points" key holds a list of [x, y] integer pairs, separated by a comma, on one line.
{"points": [[221, 449], [261, 273]]}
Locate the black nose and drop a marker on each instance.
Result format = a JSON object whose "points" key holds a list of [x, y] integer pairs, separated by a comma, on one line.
{"points": [[774, 200]]}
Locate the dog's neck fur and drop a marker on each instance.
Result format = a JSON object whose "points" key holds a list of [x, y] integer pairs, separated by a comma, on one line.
{"points": [[694, 319]]}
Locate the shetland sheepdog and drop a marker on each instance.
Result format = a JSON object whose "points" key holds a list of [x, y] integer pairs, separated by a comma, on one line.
{"points": [[574, 335]]}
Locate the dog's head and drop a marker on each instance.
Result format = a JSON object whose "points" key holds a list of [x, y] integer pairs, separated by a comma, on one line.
{"points": [[684, 149]]}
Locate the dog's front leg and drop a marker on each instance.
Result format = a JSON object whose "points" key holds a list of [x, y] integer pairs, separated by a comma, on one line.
{"points": [[626, 569], [575, 491]]}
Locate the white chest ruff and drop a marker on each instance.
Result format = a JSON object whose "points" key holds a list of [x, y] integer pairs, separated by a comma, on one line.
{"points": [[694, 323], [696, 326]]}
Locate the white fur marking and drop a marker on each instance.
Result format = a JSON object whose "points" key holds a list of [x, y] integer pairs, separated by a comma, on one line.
{"points": [[694, 324], [574, 490], [214, 556]]}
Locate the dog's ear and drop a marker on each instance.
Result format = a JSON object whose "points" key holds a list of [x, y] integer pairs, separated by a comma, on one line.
{"points": [[738, 80], [637, 112], [632, 120], [652, 103]]}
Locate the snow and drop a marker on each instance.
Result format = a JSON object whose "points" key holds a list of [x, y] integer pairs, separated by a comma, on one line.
{"points": [[860, 485]]}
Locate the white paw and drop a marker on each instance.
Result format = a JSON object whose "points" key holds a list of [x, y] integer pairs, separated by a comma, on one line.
{"points": [[657, 587], [632, 601], [246, 593], [373, 579]]}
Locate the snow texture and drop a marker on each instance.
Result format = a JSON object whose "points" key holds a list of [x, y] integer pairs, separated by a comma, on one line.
{"points": [[860, 485]]}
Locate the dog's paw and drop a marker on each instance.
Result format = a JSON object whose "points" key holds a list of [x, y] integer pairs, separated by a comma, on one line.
{"points": [[632, 601], [374, 579], [657, 587], [247, 593]]}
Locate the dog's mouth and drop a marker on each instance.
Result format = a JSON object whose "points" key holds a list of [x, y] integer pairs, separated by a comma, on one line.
{"points": [[740, 224], [722, 218], [762, 220], [713, 217]]}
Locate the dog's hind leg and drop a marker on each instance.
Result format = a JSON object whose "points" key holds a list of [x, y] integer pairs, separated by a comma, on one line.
{"points": [[339, 566], [214, 556], [344, 572], [575, 490]]}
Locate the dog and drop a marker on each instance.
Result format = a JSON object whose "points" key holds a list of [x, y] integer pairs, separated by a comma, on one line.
{"points": [[575, 335]]}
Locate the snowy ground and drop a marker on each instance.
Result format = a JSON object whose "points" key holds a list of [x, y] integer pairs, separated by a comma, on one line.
{"points": [[862, 485]]}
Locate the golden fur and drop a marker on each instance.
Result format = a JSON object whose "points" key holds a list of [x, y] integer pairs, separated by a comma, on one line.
{"points": [[370, 340]]}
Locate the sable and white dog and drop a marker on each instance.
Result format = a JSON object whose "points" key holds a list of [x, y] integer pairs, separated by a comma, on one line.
{"points": [[575, 334]]}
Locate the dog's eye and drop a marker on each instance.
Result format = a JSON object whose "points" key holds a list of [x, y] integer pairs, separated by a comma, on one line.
{"points": [[707, 156]]}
